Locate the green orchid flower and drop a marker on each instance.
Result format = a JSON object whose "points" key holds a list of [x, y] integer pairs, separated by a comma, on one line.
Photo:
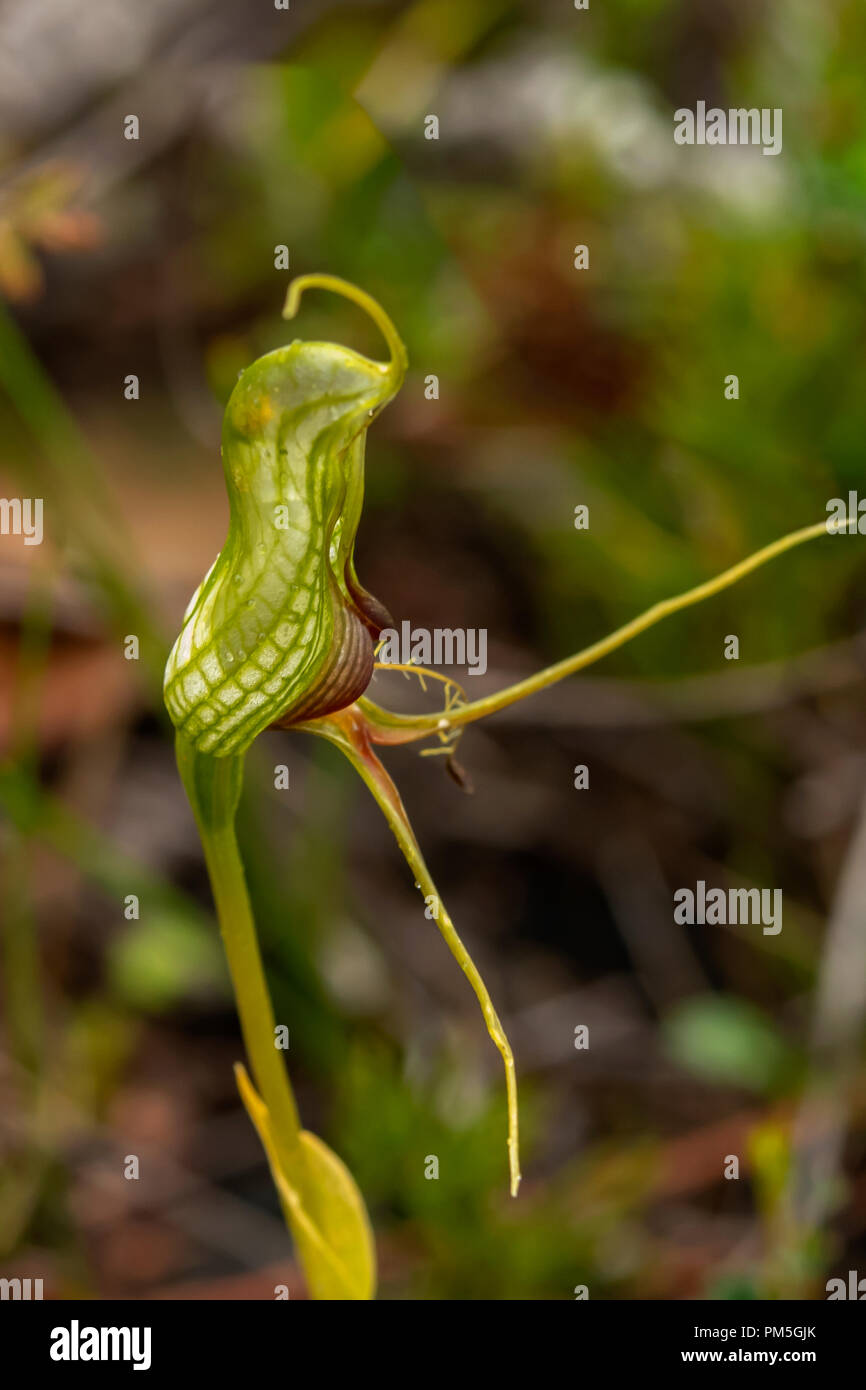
{"points": [[280, 630], [280, 634]]}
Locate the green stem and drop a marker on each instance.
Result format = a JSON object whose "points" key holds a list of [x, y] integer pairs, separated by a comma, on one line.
{"points": [[349, 732], [387, 727], [213, 786]]}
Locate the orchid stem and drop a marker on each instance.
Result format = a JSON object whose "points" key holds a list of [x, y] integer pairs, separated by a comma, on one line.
{"points": [[213, 786], [387, 727]]}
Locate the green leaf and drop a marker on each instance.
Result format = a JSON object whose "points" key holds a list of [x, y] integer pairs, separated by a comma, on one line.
{"points": [[323, 1206], [730, 1042], [164, 959]]}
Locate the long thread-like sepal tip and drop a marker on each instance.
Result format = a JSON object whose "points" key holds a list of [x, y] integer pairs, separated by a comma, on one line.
{"points": [[399, 360]]}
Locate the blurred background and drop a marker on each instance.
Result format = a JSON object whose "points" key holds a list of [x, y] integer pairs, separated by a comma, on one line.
{"points": [[305, 128]]}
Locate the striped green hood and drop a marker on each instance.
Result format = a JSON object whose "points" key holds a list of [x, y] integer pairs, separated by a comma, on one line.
{"points": [[280, 631]]}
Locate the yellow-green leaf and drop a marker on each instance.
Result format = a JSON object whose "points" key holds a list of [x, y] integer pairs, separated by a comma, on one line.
{"points": [[323, 1206]]}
